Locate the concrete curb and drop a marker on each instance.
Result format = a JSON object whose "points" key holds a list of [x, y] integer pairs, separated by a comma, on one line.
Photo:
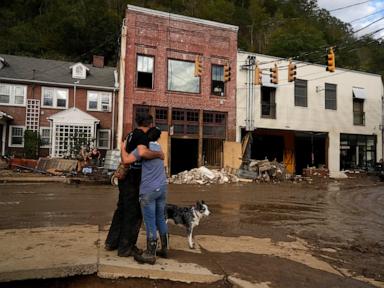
{"points": [[54, 252]]}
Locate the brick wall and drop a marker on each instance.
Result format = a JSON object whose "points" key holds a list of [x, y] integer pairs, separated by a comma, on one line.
{"points": [[165, 38]]}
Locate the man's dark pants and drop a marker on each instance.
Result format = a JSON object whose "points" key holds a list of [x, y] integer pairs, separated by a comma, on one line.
{"points": [[126, 221]]}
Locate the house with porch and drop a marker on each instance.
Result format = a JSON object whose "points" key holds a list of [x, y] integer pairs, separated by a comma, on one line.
{"points": [[60, 100]]}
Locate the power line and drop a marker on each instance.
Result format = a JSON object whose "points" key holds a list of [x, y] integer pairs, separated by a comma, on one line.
{"points": [[358, 19], [348, 6], [366, 26]]}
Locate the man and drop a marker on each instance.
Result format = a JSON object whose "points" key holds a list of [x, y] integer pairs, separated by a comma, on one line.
{"points": [[127, 218]]}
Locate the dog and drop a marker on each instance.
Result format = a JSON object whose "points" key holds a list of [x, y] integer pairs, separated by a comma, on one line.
{"points": [[189, 217]]}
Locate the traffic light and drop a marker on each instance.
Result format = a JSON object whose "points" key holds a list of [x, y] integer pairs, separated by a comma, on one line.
{"points": [[257, 80], [198, 66], [227, 73], [274, 75], [291, 72], [331, 65]]}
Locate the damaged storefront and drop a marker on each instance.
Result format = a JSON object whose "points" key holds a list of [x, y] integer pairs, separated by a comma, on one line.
{"points": [[296, 149], [194, 137]]}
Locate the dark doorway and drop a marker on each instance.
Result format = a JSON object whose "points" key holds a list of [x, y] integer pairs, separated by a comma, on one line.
{"points": [[184, 154], [212, 152], [309, 150], [267, 147]]}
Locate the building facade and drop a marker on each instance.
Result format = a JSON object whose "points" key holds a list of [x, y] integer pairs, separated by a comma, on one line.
{"points": [[62, 101], [196, 112], [321, 119]]}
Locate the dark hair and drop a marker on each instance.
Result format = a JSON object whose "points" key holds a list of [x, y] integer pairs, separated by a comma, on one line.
{"points": [[153, 133], [144, 120]]}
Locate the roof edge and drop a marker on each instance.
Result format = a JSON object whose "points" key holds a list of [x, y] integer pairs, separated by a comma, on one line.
{"points": [[182, 18]]}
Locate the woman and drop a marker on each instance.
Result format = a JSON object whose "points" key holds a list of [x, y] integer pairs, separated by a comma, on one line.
{"points": [[152, 195]]}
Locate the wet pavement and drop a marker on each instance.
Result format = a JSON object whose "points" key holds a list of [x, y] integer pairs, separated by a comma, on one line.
{"points": [[341, 223]]}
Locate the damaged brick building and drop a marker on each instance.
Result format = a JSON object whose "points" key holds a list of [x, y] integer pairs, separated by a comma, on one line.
{"points": [[157, 75]]}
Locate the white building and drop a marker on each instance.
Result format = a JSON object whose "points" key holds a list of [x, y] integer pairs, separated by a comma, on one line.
{"points": [[322, 118]]}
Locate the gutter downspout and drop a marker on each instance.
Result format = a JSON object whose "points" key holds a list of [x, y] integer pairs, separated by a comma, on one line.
{"points": [[116, 76], [120, 115]]}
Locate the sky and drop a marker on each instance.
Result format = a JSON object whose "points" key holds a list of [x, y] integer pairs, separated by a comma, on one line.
{"points": [[349, 15]]}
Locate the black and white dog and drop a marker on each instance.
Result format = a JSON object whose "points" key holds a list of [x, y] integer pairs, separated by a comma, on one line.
{"points": [[189, 217]]}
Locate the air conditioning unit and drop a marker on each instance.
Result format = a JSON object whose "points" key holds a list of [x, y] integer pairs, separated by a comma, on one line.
{"points": [[105, 107]]}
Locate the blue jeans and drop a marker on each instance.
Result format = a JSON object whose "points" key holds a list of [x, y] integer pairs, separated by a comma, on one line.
{"points": [[152, 207]]}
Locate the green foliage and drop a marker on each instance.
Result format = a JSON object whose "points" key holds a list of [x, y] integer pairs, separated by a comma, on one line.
{"points": [[31, 144], [74, 30]]}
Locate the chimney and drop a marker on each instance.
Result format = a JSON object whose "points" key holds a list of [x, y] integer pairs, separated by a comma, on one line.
{"points": [[98, 61]]}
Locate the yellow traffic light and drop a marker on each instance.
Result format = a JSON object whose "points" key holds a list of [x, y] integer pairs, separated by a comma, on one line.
{"points": [[198, 67], [274, 75], [291, 72], [257, 80], [331, 63], [227, 73]]}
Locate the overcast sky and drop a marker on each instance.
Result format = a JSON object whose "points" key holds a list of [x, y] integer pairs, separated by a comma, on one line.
{"points": [[350, 14]]}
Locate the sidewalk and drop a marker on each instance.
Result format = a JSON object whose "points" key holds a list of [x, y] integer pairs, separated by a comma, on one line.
{"points": [[78, 250]]}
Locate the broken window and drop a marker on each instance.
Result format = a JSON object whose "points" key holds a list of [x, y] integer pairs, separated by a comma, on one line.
{"points": [[144, 72], [161, 118], [214, 125], [217, 86], [181, 77], [330, 96], [301, 93], [185, 122], [268, 104]]}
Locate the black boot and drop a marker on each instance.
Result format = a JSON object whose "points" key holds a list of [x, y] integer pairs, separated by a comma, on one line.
{"points": [[149, 255], [163, 252]]}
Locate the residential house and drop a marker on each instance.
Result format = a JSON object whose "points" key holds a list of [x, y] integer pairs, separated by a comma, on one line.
{"points": [[63, 101], [321, 119], [161, 53]]}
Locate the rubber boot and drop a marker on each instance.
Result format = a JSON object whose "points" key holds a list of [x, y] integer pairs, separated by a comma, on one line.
{"points": [[149, 255], [163, 252]]}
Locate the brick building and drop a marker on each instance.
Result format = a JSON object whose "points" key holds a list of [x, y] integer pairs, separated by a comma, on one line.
{"points": [[197, 114], [60, 100]]}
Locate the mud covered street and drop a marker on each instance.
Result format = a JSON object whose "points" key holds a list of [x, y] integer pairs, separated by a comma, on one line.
{"points": [[325, 234]]}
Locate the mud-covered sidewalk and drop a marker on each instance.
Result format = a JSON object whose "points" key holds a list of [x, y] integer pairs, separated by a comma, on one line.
{"points": [[327, 234]]}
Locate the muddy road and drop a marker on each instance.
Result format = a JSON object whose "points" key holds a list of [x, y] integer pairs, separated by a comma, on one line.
{"points": [[340, 222]]}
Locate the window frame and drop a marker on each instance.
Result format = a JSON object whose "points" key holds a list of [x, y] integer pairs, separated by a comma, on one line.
{"points": [[100, 95], [54, 97], [11, 136], [137, 71], [297, 97], [223, 93], [330, 100], [12, 95], [50, 136], [98, 138], [193, 77]]}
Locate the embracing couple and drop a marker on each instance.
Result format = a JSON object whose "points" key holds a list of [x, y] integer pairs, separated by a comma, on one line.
{"points": [[143, 191]]}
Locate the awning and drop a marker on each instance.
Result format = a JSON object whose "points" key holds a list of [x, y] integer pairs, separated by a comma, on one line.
{"points": [[266, 81], [359, 93]]}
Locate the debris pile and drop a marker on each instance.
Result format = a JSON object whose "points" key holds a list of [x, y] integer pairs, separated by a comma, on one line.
{"points": [[263, 170], [203, 175]]}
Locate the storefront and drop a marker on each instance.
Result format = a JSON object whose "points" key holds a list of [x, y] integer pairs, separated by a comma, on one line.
{"points": [[357, 151]]}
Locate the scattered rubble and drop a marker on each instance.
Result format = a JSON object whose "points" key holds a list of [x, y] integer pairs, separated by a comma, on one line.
{"points": [[263, 170], [203, 175]]}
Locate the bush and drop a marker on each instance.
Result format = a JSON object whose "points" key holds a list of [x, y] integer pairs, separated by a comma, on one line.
{"points": [[31, 144]]}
